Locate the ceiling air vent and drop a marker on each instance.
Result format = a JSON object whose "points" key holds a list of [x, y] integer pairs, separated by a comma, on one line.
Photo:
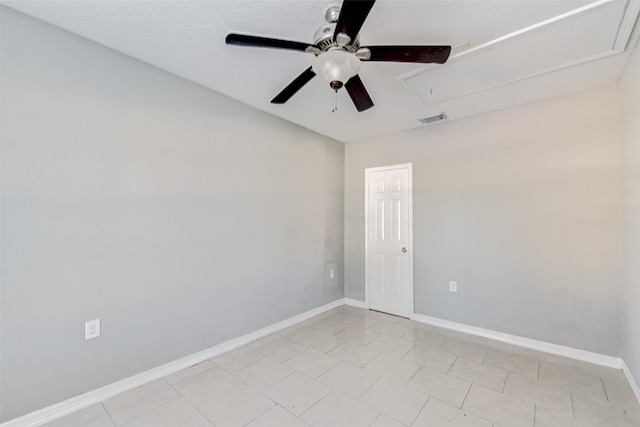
{"points": [[433, 119]]}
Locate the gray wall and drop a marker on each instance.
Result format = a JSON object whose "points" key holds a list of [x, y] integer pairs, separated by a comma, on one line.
{"points": [[629, 87], [521, 208], [179, 217]]}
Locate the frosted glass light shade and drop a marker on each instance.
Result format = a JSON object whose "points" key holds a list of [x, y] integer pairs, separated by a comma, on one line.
{"points": [[336, 65]]}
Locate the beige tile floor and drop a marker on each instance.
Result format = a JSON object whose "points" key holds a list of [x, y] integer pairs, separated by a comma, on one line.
{"points": [[351, 367]]}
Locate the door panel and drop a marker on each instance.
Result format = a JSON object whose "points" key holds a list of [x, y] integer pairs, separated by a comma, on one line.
{"points": [[388, 259]]}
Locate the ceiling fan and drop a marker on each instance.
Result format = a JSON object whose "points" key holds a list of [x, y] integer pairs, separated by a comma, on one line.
{"points": [[339, 54]]}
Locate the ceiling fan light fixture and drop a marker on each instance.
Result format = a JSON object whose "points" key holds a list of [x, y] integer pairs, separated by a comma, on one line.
{"points": [[338, 53], [336, 66]]}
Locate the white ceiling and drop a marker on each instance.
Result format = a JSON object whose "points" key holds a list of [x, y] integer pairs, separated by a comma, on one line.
{"points": [[506, 52]]}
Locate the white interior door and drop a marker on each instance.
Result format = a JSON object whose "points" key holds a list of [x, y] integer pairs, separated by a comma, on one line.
{"points": [[389, 278]]}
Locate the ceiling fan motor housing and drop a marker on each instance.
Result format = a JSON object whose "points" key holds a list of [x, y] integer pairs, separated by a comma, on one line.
{"points": [[323, 38]]}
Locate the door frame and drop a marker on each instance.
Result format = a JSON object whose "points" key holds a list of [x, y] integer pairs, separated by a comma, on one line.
{"points": [[367, 280]]}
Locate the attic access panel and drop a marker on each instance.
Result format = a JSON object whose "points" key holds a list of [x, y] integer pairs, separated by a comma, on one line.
{"points": [[585, 34]]}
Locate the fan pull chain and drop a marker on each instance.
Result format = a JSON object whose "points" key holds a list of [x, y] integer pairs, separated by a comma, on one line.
{"points": [[335, 104]]}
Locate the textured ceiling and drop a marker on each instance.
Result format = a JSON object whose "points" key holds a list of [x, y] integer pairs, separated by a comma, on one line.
{"points": [[506, 52]]}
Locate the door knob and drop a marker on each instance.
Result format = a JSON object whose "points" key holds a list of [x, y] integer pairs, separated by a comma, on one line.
{"points": [[404, 249]]}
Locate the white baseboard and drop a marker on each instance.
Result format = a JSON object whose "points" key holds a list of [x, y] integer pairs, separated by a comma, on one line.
{"points": [[574, 353], [354, 303], [69, 406], [61, 409], [632, 381]]}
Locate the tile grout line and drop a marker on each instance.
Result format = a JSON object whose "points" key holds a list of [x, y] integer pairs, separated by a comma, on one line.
{"points": [[376, 419], [250, 386], [573, 409], [108, 414], [421, 409], [200, 412], [466, 395], [222, 394], [369, 362], [414, 374], [451, 367], [505, 382], [367, 389], [152, 409], [604, 388], [485, 355], [407, 352], [309, 408]]}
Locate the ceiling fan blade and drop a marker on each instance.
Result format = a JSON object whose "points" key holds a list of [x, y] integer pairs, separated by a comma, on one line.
{"points": [[358, 93], [294, 86], [423, 54], [352, 16], [257, 41]]}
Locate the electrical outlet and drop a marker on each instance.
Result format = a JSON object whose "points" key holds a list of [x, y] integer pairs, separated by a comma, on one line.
{"points": [[453, 286], [91, 329], [332, 273]]}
